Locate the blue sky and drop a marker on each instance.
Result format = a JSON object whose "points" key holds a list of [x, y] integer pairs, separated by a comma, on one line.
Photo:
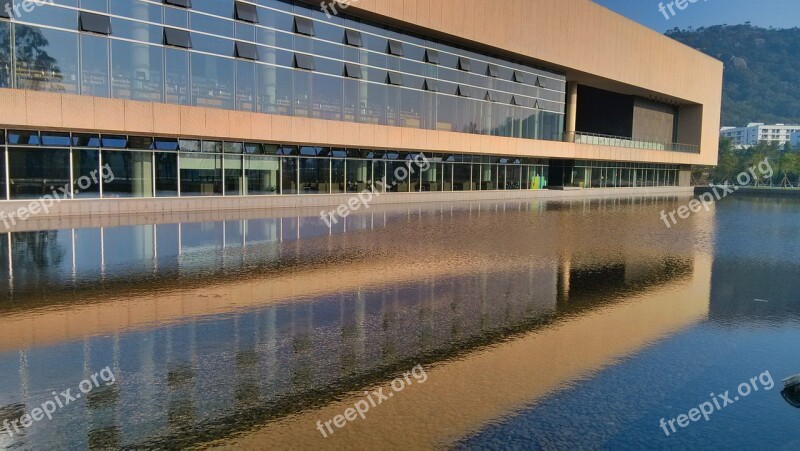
{"points": [[764, 13]]}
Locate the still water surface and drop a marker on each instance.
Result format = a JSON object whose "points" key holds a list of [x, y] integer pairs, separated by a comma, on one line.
{"points": [[541, 325]]}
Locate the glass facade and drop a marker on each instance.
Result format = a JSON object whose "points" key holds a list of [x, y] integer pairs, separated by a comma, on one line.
{"points": [[287, 58], [608, 174], [81, 165], [114, 166]]}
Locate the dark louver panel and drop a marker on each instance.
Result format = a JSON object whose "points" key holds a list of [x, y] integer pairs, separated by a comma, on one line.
{"points": [[180, 3], [395, 79], [352, 70], [464, 91], [304, 26], [95, 23], [177, 38], [431, 85], [493, 71], [464, 64], [519, 77], [431, 56], [353, 37], [396, 48], [246, 50], [246, 12], [303, 61]]}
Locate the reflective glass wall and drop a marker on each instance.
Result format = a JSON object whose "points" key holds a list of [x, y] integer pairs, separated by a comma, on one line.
{"points": [[276, 57], [610, 174], [81, 165]]}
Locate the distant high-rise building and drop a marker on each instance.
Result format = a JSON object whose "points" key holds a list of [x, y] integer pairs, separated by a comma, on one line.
{"points": [[756, 132]]}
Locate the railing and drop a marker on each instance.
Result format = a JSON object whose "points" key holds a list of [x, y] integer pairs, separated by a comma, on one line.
{"points": [[621, 141]]}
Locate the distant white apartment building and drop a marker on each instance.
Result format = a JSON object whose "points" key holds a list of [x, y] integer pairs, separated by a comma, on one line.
{"points": [[754, 133]]}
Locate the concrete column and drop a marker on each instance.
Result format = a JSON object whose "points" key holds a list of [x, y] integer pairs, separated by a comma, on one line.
{"points": [[572, 107]]}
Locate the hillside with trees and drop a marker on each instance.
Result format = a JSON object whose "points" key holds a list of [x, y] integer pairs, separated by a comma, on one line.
{"points": [[762, 70]]}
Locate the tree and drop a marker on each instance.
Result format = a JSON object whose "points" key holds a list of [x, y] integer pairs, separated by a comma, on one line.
{"points": [[40, 71]]}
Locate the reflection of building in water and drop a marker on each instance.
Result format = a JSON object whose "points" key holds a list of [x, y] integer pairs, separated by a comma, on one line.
{"points": [[205, 376]]}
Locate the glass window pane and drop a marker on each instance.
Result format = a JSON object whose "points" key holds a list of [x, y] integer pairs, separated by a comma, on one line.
{"points": [[177, 69], [245, 86], [262, 174], [432, 179], [37, 172], [5, 54], [289, 175], [96, 5], [94, 66], [328, 96], [139, 31], [302, 93], [398, 177], [137, 71], [358, 175], [86, 173], [212, 81], [201, 174], [136, 9], [166, 174], [314, 175], [132, 174], [337, 175], [176, 17], [233, 175], [274, 90], [46, 60], [462, 177]]}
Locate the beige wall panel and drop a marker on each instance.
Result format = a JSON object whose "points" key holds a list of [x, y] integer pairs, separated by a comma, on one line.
{"points": [[282, 128], [43, 108], [216, 123], [13, 110], [261, 126], [166, 119], [138, 116], [78, 112], [109, 114], [193, 121], [241, 124]]}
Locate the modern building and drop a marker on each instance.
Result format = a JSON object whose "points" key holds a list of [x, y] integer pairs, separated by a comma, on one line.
{"points": [[795, 139], [264, 99], [755, 133]]}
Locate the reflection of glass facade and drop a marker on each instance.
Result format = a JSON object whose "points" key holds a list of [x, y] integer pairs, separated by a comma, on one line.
{"points": [[277, 57], [113, 166], [235, 370]]}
